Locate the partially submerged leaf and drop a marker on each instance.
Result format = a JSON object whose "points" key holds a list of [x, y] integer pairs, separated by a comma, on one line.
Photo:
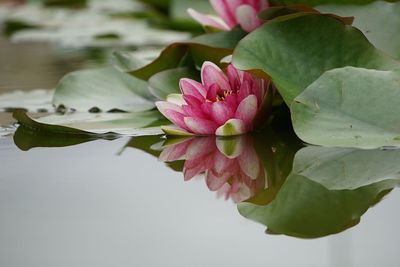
{"points": [[96, 124], [34, 101], [350, 107], [295, 52], [106, 89]]}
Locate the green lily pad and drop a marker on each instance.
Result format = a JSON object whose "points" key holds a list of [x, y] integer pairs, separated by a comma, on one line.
{"points": [[34, 101], [166, 82], [304, 208], [350, 107], [211, 46], [105, 89], [296, 51], [320, 2], [99, 125], [345, 168], [379, 21]]}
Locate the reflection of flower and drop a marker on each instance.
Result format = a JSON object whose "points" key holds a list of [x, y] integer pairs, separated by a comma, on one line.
{"points": [[220, 105], [232, 13], [231, 166]]}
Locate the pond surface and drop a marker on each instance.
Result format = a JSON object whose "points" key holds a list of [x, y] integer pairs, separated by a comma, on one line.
{"points": [[116, 203]]}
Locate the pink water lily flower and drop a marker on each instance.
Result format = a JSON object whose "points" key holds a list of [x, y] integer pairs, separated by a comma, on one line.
{"points": [[222, 104], [231, 167], [232, 13]]}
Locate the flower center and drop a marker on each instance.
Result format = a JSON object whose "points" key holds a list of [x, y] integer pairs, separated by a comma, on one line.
{"points": [[222, 95]]}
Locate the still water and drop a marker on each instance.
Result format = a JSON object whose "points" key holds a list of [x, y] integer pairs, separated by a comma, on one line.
{"points": [[146, 202]]}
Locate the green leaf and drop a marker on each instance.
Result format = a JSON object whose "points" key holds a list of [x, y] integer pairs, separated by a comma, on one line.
{"points": [[345, 168], [295, 52], [105, 89], [320, 2], [166, 82], [211, 46], [379, 21], [99, 125], [306, 209], [350, 107], [328, 190], [34, 101]]}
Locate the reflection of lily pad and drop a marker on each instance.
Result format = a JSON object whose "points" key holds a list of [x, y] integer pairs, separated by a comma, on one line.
{"points": [[304, 208], [328, 191]]}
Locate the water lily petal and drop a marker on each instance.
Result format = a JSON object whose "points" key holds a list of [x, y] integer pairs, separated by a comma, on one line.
{"points": [[215, 182], [222, 111], [193, 88], [212, 74], [247, 110], [200, 126], [249, 162], [200, 147], [247, 18], [232, 127], [233, 77], [174, 130], [226, 10], [207, 20], [231, 147], [172, 112], [174, 152]]}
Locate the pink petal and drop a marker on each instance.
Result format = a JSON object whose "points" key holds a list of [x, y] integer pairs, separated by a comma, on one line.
{"points": [[200, 147], [215, 182], [212, 74], [192, 111], [212, 92], [222, 111], [249, 162], [207, 20], [247, 111], [192, 101], [245, 91], [247, 18], [172, 112], [193, 88], [221, 163], [233, 77], [226, 10], [174, 152], [192, 168], [231, 128], [200, 126]]}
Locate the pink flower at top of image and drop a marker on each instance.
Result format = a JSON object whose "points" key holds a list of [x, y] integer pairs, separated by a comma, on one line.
{"points": [[232, 13], [222, 104], [231, 167]]}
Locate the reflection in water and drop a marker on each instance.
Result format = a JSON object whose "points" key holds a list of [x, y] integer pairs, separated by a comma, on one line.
{"points": [[231, 166], [306, 192]]}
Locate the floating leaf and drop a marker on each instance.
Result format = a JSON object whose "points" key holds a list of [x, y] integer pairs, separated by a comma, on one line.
{"points": [[99, 125], [105, 89], [166, 82], [379, 21], [350, 107], [295, 52], [304, 208], [345, 168], [34, 101], [320, 2], [211, 46]]}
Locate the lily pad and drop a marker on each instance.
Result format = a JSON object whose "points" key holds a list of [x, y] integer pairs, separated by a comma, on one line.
{"points": [[350, 107], [345, 168], [296, 51], [105, 89], [379, 21], [320, 2], [34, 101], [99, 125], [304, 208], [211, 46]]}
